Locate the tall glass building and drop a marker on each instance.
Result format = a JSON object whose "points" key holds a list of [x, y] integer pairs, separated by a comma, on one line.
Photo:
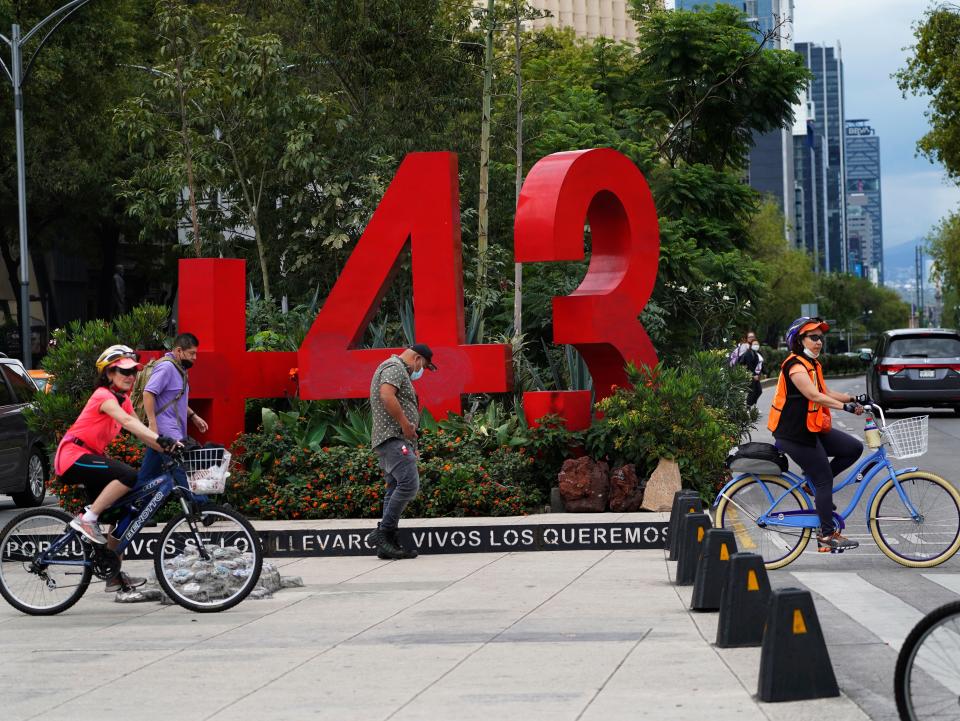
{"points": [[819, 148], [770, 167], [864, 209]]}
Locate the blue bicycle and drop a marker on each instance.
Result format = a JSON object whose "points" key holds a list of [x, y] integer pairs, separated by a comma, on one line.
{"points": [[46, 566], [913, 515]]}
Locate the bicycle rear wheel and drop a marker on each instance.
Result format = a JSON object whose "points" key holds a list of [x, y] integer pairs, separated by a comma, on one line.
{"points": [[748, 499], [226, 577], [42, 589], [926, 682], [917, 543]]}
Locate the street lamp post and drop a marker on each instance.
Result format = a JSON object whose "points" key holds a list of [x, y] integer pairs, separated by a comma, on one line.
{"points": [[18, 75]]}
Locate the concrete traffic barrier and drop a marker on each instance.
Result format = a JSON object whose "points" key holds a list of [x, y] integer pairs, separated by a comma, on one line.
{"points": [[711, 576], [684, 502], [794, 663], [693, 529], [743, 602]]}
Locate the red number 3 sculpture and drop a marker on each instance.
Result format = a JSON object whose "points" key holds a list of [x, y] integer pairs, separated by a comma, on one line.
{"points": [[600, 318]]}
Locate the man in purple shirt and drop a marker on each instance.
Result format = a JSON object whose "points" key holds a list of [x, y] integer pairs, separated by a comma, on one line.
{"points": [[165, 400]]}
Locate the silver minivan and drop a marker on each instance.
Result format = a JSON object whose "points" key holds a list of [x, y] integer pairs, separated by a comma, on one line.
{"points": [[915, 367]]}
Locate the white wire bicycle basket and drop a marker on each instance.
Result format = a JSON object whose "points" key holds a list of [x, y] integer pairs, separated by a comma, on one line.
{"points": [[907, 437], [207, 470]]}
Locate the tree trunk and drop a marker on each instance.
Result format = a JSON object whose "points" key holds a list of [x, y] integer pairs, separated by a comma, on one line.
{"points": [[482, 208], [518, 267], [188, 157]]}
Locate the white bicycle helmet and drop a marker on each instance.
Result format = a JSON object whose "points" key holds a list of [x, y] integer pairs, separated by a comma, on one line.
{"points": [[121, 356]]}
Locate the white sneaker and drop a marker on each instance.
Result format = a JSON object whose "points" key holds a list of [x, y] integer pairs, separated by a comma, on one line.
{"points": [[90, 530]]}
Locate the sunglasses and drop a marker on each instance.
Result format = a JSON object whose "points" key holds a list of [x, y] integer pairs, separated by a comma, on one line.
{"points": [[127, 371], [815, 338]]}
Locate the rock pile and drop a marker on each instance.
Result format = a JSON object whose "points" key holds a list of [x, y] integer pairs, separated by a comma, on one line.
{"points": [[203, 580]]}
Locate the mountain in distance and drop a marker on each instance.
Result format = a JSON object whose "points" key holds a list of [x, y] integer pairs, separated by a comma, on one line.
{"points": [[900, 269]]}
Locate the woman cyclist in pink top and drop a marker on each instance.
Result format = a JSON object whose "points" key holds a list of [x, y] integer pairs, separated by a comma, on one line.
{"points": [[80, 456]]}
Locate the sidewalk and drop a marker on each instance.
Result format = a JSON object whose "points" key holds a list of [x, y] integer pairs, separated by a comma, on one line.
{"points": [[598, 635]]}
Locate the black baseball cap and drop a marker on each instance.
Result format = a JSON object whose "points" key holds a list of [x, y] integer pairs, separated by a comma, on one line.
{"points": [[424, 350]]}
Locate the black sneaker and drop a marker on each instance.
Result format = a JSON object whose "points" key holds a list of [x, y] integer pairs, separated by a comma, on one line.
{"points": [[835, 543], [385, 547], [394, 537]]}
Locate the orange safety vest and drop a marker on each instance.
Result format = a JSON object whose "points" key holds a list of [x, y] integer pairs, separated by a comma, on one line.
{"points": [[818, 416]]}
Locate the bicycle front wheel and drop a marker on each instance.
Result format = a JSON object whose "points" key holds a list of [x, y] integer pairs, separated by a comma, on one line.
{"points": [[226, 576], [42, 586], [924, 542], [748, 499], [926, 682]]}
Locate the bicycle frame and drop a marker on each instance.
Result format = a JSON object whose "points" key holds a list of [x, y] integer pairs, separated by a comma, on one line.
{"points": [[810, 519], [154, 493]]}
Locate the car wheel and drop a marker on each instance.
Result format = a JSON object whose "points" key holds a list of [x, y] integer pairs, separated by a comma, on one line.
{"points": [[36, 486]]}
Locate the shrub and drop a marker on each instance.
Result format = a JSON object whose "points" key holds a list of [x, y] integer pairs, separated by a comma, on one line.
{"points": [[685, 414], [459, 476], [72, 358]]}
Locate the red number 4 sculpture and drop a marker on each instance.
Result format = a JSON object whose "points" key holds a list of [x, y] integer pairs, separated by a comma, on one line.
{"points": [[421, 210]]}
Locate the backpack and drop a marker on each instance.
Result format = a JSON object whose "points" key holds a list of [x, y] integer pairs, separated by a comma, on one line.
{"points": [[734, 356], [143, 377], [763, 458]]}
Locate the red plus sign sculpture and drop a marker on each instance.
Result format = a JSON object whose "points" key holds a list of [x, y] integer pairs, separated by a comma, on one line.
{"points": [[213, 294]]}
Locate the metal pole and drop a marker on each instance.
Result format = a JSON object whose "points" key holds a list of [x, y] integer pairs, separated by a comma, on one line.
{"points": [[16, 72]]}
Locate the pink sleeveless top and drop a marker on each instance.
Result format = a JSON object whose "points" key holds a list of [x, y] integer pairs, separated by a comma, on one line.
{"points": [[95, 428]]}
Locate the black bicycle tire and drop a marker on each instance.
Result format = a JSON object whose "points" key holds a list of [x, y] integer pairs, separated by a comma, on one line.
{"points": [[81, 587], [230, 603], [908, 653]]}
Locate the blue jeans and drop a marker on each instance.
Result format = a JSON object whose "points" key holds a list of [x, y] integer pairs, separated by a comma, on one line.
{"points": [[403, 479], [153, 466]]}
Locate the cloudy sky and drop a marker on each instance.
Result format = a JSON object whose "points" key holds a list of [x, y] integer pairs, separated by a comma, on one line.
{"points": [[873, 35]]}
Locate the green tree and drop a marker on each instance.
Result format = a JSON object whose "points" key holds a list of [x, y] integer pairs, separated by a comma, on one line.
{"points": [[788, 278], [71, 157], [226, 120], [934, 70], [944, 245]]}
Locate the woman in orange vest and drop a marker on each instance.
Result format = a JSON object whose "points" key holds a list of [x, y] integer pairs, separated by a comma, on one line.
{"points": [[801, 423]]}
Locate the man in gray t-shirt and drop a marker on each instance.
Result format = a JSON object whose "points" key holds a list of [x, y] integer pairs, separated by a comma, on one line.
{"points": [[396, 416]]}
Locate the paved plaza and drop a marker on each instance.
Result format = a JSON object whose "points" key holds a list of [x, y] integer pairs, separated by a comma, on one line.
{"points": [[535, 635]]}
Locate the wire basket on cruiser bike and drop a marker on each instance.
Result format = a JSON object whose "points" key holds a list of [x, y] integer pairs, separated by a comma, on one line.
{"points": [[207, 557], [913, 515]]}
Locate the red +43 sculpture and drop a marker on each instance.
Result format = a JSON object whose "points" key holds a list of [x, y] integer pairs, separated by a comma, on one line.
{"points": [[421, 209]]}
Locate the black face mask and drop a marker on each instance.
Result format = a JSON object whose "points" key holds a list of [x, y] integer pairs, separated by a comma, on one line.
{"points": [[187, 364]]}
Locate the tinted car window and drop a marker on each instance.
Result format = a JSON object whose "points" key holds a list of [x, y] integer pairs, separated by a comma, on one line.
{"points": [[6, 398], [23, 387], [929, 346]]}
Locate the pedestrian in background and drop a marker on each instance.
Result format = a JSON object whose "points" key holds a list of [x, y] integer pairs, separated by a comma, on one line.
{"points": [[752, 360], [396, 417], [165, 401]]}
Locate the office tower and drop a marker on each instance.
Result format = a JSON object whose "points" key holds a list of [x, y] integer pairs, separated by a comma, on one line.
{"points": [[588, 18], [770, 165], [810, 166], [864, 210], [821, 142]]}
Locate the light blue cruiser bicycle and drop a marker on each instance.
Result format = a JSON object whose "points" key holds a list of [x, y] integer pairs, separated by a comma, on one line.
{"points": [[913, 515]]}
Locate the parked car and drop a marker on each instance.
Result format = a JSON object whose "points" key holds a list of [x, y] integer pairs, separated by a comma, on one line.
{"points": [[23, 455], [915, 367], [43, 380]]}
